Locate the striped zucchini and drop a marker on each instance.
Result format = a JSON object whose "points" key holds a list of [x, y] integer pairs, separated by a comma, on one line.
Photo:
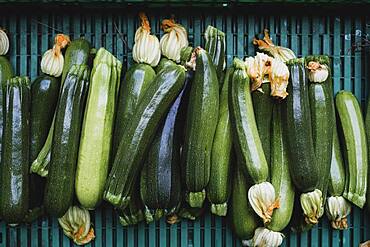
{"points": [[200, 128], [139, 133], [353, 138], [215, 46], [218, 189]]}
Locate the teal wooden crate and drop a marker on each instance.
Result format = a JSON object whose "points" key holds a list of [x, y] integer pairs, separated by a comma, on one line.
{"points": [[30, 36]]}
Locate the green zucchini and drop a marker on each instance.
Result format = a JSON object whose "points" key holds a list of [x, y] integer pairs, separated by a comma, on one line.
{"points": [[201, 122], [137, 79], [337, 208], [139, 133], [262, 107], [44, 97], [77, 53], [15, 154], [367, 127], [248, 145], [353, 138], [215, 46], [97, 128], [218, 188], [164, 62], [243, 219], [322, 121], [59, 190], [280, 177], [297, 120], [160, 182]]}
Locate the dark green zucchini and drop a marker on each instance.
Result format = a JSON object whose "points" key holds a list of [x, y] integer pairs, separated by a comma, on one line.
{"points": [[201, 122], [139, 133], [137, 79], [215, 46], [77, 53], [59, 191], [163, 63], [218, 188], [262, 107], [322, 121], [14, 189]]}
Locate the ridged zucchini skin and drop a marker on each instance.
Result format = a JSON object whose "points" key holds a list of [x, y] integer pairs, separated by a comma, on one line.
{"points": [[77, 53], [247, 142], [337, 178], [243, 219], [353, 138], [15, 154], [133, 213], [44, 98], [322, 122], [280, 177], [201, 122], [59, 190], [136, 81], [297, 120], [139, 133], [215, 46], [218, 188], [160, 180], [262, 107]]}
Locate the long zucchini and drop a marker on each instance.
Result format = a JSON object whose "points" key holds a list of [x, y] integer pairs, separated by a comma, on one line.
{"points": [[15, 154], [367, 127], [59, 191], [218, 189], [97, 129], [77, 53], [200, 128], [353, 136], [215, 46], [248, 144], [262, 107], [140, 132], [302, 160], [337, 208], [44, 98], [160, 183], [137, 79]]}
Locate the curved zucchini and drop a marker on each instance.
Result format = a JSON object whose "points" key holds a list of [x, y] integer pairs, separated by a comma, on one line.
{"points": [[59, 191], [243, 219], [218, 188], [77, 53], [262, 107], [140, 132], [280, 177], [15, 154], [160, 183], [137, 79], [353, 138], [200, 128]]}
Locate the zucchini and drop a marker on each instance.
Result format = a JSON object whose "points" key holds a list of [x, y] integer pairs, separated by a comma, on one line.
{"points": [[248, 144], [77, 53], [322, 119], [59, 190], [15, 154], [353, 136], [200, 128], [243, 219], [262, 107], [97, 128], [44, 97], [337, 208], [215, 46], [164, 62], [137, 79], [139, 134], [280, 177], [218, 188], [367, 128], [160, 180]]}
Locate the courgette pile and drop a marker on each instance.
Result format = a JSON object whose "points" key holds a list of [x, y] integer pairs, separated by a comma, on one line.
{"points": [[264, 141]]}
